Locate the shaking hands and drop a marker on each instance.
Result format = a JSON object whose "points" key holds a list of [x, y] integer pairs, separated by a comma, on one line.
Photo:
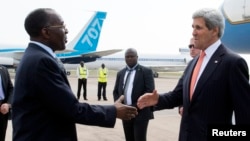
{"points": [[124, 112], [148, 99]]}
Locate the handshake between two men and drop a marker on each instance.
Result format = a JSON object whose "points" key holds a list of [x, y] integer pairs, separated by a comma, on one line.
{"points": [[126, 112]]}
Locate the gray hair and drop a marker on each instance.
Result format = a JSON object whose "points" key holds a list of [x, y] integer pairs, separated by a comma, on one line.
{"points": [[212, 17]]}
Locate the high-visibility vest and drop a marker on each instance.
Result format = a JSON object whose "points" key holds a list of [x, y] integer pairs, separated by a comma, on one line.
{"points": [[102, 75], [83, 72]]}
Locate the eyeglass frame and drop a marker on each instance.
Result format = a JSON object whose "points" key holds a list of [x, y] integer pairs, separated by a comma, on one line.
{"points": [[56, 26]]}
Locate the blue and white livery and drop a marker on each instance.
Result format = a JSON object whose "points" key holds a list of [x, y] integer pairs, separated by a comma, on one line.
{"points": [[81, 48], [237, 25]]}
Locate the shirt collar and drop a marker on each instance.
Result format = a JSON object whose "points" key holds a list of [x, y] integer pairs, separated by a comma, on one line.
{"points": [[48, 49], [212, 48], [131, 69]]}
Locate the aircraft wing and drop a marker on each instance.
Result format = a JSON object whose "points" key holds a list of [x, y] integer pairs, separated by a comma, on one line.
{"points": [[18, 55], [10, 57], [15, 53], [98, 54]]}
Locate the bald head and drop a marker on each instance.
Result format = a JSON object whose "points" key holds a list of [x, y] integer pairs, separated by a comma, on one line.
{"points": [[131, 57], [132, 50]]}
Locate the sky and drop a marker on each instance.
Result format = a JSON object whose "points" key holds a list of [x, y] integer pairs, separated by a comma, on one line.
{"points": [[159, 26]]}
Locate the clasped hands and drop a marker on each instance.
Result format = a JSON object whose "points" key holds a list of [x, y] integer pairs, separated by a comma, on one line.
{"points": [[126, 112]]}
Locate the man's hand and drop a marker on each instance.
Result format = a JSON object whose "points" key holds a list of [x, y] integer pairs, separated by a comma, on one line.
{"points": [[148, 99], [5, 108], [181, 110], [124, 112]]}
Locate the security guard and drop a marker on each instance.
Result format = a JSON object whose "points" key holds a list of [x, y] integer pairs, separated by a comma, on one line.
{"points": [[102, 82], [82, 74]]}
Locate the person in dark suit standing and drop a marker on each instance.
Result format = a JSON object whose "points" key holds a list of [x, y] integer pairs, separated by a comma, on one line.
{"points": [[44, 106], [222, 86], [6, 91], [133, 81]]}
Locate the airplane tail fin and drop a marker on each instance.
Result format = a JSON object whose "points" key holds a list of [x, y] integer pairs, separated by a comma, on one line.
{"points": [[87, 39]]}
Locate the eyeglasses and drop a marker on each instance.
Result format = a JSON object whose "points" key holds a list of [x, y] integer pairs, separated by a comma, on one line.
{"points": [[56, 26], [191, 46]]}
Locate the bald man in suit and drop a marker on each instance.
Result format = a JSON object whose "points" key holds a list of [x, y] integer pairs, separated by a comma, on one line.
{"points": [[44, 107], [133, 81]]}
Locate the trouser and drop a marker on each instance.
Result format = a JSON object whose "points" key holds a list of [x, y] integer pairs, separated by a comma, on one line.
{"points": [[135, 130], [102, 89], [3, 126], [82, 83]]}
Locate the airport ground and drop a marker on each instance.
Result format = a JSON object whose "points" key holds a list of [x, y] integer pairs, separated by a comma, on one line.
{"points": [[164, 127]]}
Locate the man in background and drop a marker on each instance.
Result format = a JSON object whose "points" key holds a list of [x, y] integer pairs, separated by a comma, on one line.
{"points": [[193, 51], [6, 91], [82, 74], [102, 82], [132, 82]]}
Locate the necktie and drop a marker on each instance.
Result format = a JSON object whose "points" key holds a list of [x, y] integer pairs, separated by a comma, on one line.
{"points": [[196, 73], [126, 86]]}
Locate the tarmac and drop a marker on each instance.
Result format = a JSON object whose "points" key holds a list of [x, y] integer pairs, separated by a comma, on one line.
{"points": [[164, 127]]}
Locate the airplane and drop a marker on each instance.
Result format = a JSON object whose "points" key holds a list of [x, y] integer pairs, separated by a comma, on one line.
{"points": [[81, 48], [236, 37], [157, 62], [237, 25]]}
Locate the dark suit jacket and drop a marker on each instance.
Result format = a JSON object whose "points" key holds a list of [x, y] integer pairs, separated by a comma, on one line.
{"points": [[44, 106], [6, 85], [222, 88], [143, 83]]}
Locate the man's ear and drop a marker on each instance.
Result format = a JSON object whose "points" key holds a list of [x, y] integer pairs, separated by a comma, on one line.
{"points": [[45, 33], [216, 31]]}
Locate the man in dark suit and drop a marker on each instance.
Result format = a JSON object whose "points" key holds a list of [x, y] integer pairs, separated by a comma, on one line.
{"points": [[6, 90], [221, 89], [44, 106], [133, 81]]}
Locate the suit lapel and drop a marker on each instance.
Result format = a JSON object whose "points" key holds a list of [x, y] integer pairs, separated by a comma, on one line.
{"points": [[214, 61], [187, 79], [122, 77], [137, 73], [136, 80]]}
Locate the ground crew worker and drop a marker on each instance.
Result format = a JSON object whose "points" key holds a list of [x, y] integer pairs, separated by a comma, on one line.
{"points": [[102, 82], [82, 74]]}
